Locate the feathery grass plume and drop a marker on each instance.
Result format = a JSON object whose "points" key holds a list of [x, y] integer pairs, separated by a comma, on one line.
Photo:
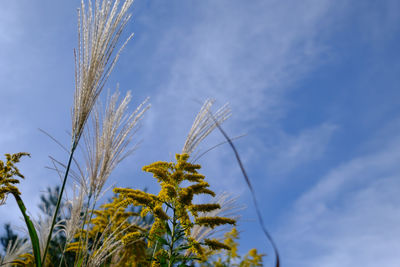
{"points": [[204, 124], [107, 143], [75, 206], [99, 30], [13, 252], [42, 226]]}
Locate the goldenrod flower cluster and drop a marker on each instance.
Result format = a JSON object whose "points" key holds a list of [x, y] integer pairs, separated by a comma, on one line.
{"points": [[173, 204], [7, 171], [112, 220], [251, 259], [25, 259]]}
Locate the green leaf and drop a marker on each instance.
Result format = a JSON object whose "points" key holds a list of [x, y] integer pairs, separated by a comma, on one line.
{"points": [[32, 231], [79, 264], [162, 240], [168, 228]]}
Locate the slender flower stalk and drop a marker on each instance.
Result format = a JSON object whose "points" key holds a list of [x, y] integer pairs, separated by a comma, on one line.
{"points": [[99, 30]]}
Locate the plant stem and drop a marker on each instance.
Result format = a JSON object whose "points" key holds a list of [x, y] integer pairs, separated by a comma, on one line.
{"points": [[59, 200], [171, 246], [83, 226], [32, 232]]}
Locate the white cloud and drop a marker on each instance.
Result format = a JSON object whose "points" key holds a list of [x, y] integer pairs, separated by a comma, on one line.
{"points": [[290, 151], [248, 54], [351, 217]]}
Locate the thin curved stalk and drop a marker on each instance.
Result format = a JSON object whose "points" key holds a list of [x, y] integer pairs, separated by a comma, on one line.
{"points": [[31, 229], [253, 194], [74, 145]]}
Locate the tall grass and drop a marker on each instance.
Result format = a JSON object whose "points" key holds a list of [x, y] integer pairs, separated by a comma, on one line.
{"points": [[134, 228]]}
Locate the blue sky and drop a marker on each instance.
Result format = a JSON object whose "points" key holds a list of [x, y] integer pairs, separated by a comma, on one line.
{"points": [[314, 85]]}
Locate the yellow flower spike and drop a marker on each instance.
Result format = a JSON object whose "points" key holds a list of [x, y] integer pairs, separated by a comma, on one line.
{"points": [[131, 237], [189, 167], [167, 193], [253, 258], [229, 241], [27, 261], [197, 249], [159, 213], [7, 171], [74, 246], [194, 177], [123, 203], [118, 190], [140, 199], [186, 196], [157, 229], [204, 207], [215, 244], [201, 188], [144, 212], [159, 173], [214, 221], [158, 164], [177, 176]]}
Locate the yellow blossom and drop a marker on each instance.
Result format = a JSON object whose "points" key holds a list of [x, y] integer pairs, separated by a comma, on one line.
{"points": [[215, 244], [7, 171], [214, 221]]}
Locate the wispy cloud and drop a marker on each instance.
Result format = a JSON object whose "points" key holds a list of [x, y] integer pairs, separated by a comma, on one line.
{"points": [[291, 151], [350, 217], [245, 54]]}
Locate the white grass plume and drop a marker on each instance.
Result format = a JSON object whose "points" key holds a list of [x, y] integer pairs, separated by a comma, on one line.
{"points": [[75, 207], [99, 30], [14, 250], [42, 226], [107, 141], [204, 124]]}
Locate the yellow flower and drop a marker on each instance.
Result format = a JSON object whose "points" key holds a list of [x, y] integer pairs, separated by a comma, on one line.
{"points": [[204, 207], [215, 244], [229, 241], [160, 213], [214, 221], [131, 237], [7, 171], [253, 258]]}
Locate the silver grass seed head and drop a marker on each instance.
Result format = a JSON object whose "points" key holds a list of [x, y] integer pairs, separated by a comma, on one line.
{"points": [[107, 141], [99, 30], [42, 225], [75, 205], [14, 250], [204, 124]]}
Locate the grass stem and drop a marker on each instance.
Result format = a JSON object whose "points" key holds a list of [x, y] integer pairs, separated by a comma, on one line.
{"points": [[74, 145]]}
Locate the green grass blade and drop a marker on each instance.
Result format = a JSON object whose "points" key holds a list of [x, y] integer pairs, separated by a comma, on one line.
{"points": [[32, 231]]}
